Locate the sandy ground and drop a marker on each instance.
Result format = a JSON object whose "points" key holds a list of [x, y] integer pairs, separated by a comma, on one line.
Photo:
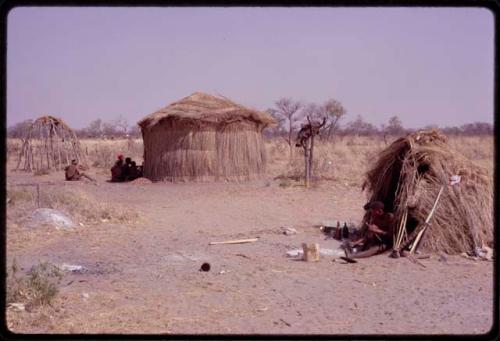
{"points": [[144, 277]]}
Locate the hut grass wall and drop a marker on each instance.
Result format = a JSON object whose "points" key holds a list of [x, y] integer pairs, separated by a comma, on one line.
{"points": [[185, 151]]}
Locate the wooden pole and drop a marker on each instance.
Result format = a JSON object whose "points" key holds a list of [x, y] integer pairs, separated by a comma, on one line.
{"points": [[311, 157], [38, 195], [306, 161]]}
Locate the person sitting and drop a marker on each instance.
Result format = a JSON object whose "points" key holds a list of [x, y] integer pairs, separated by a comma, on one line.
{"points": [[140, 171], [133, 172], [116, 170], [126, 169], [377, 233], [72, 173]]}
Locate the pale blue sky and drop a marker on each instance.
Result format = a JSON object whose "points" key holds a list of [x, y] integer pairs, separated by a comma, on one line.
{"points": [[427, 65]]}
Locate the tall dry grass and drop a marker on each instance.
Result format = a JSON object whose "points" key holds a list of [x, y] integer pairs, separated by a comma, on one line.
{"points": [[347, 159], [102, 153], [98, 152], [81, 206]]}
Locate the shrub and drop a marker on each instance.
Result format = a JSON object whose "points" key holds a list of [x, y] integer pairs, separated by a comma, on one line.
{"points": [[38, 287]]}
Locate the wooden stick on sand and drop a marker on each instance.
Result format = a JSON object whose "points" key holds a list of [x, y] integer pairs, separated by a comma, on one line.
{"points": [[236, 241]]}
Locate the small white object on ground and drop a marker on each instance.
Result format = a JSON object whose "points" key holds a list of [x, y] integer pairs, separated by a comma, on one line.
{"points": [[335, 253], [72, 268], [85, 295], [485, 253], [289, 231], [49, 216], [330, 223], [18, 306], [295, 253]]}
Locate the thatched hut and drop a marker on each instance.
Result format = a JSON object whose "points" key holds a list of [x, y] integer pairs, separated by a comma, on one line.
{"points": [[408, 177], [49, 143], [204, 138]]}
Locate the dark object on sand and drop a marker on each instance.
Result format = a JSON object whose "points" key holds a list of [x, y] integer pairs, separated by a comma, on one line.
{"points": [[394, 254], [348, 252], [348, 260], [205, 267], [345, 231]]}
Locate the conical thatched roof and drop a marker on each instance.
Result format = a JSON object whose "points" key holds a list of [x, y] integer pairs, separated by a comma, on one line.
{"points": [[206, 108], [408, 176]]}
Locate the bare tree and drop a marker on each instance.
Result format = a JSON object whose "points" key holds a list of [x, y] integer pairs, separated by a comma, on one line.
{"points": [[19, 130], [395, 126], [333, 111], [305, 139], [477, 128], [121, 124], [287, 112], [109, 129], [95, 128], [360, 127], [280, 128], [135, 131]]}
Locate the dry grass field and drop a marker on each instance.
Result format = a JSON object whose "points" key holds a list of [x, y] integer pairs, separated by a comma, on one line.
{"points": [[141, 246]]}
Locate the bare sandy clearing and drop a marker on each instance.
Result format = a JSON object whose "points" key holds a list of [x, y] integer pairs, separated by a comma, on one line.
{"points": [[143, 277]]}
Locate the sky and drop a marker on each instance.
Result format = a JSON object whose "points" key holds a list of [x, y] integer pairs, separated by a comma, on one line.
{"points": [[429, 66]]}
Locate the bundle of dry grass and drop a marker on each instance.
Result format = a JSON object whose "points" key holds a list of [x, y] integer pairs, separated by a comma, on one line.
{"points": [[48, 144], [204, 138], [408, 176]]}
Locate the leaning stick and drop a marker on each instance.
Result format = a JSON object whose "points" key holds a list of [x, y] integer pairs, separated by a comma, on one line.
{"points": [[402, 226], [236, 241], [431, 213]]}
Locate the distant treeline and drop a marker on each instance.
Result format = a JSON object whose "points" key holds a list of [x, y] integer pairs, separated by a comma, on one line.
{"points": [[359, 127], [290, 115]]}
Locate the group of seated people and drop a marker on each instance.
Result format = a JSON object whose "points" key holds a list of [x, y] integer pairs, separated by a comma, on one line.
{"points": [[125, 170]]}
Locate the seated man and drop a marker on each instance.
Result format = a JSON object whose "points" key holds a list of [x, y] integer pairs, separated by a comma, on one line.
{"points": [[126, 169], [133, 172], [71, 172], [378, 231], [116, 170]]}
